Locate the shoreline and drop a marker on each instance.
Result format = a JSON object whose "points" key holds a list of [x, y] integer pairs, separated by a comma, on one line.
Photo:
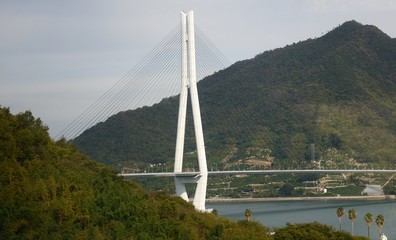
{"points": [[279, 199]]}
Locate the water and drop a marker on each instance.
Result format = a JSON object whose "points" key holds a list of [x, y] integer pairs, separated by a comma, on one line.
{"points": [[278, 213]]}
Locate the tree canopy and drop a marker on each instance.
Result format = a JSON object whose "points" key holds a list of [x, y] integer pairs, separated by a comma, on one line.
{"points": [[49, 190]]}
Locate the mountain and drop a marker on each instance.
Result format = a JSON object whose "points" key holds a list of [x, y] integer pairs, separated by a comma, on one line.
{"points": [[331, 97]]}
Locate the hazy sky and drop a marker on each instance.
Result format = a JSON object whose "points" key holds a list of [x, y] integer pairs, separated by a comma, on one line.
{"points": [[58, 57]]}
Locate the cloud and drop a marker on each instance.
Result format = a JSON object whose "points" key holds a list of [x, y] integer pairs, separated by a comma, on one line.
{"points": [[334, 6], [65, 53]]}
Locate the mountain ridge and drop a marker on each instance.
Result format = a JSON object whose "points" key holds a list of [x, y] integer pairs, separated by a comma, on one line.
{"points": [[331, 91]]}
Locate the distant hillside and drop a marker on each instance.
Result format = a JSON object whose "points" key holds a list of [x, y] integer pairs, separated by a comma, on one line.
{"points": [[334, 94]]}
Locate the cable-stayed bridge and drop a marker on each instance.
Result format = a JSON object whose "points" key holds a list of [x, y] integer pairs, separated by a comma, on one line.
{"points": [[148, 83], [155, 77]]}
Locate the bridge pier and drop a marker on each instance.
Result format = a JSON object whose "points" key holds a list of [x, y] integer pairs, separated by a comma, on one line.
{"points": [[200, 191]]}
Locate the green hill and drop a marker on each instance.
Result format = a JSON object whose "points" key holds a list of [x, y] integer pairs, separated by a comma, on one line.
{"points": [[336, 93], [51, 191]]}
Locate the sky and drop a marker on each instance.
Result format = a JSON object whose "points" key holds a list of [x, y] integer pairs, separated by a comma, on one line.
{"points": [[58, 57]]}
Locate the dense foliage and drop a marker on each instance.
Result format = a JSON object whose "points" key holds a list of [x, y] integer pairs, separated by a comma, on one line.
{"points": [[51, 191], [311, 231], [335, 92]]}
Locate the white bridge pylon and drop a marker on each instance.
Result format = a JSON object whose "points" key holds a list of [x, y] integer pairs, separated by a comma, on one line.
{"points": [[189, 84]]}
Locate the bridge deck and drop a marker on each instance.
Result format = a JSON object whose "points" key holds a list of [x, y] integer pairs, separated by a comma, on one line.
{"points": [[160, 174], [252, 172]]}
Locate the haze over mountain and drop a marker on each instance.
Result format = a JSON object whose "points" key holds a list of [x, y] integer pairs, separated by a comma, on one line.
{"points": [[334, 94]]}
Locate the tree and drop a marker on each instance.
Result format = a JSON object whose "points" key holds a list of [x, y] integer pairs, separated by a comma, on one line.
{"points": [[248, 214], [215, 212], [352, 216], [311, 231], [380, 223], [368, 218], [340, 213], [286, 189]]}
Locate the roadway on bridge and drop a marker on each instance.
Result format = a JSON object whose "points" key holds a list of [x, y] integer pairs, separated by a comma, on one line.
{"points": [[253, 172]]}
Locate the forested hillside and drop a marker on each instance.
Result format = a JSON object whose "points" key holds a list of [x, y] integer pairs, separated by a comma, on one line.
{"points": [[51, 191], [334, 94]]}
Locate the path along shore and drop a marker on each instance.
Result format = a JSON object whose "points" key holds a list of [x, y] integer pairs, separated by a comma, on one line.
{"points": [[373, 197]]}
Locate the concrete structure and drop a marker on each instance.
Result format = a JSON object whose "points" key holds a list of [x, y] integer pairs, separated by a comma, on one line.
{"points": [[189, 82], [371, 190], [253, 172]]}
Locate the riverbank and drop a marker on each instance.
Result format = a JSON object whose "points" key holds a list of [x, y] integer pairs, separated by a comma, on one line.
{"points": [[327, 198]]}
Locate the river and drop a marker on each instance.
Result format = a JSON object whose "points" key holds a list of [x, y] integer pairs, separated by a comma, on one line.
{"points": [[278, 213]]}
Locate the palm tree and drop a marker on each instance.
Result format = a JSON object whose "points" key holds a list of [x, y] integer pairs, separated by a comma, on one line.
{"points": [[368, 218], [340, 213], [380, 222], [352, 216], [248, 214]]}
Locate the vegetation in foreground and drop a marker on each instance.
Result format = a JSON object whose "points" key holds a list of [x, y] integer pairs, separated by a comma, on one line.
{"points": [[312, 231], [51, 191]]}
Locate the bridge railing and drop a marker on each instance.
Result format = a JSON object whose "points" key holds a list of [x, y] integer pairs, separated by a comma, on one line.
{"points": [[164, 167]]}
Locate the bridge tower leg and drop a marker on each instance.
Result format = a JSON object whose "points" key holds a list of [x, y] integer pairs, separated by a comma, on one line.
{"points": [[189, 82]]}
